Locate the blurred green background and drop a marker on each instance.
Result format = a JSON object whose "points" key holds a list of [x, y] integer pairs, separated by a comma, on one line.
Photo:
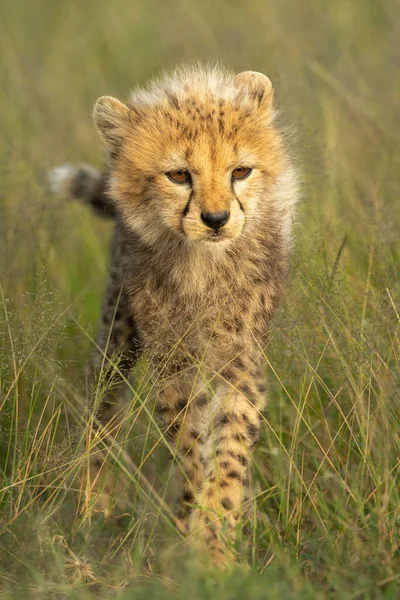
{"points": [[328, 522]]}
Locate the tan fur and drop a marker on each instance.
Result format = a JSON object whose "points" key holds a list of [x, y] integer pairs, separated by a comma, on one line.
{"points": [[199, 303]]}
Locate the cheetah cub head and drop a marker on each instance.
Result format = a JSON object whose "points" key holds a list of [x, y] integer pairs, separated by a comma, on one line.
{"points": [[195, 156]]}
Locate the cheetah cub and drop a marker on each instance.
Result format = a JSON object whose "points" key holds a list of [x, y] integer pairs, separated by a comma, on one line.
{"points": [[202, 190]]}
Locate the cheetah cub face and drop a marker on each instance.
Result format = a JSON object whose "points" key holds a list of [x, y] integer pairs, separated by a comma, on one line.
{"points": [[195, 162]]}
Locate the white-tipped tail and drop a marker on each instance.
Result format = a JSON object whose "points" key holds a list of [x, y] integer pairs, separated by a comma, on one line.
{"points": [[83, 182], [61, 179]]}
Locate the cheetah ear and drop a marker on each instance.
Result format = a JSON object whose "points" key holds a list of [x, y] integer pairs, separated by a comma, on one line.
{"points": [[111, 118], [256, 85]]}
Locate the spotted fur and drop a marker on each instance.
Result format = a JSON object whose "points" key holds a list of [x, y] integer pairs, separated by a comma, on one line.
{"points": [[197, 301]]}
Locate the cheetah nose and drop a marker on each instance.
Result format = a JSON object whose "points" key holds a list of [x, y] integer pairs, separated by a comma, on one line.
{"points": [[215, 220]]}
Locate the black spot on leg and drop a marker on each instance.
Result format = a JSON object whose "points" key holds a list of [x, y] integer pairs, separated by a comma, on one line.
{"points": [[253, 431], [211, 537], [243, 460], [239, 457], [195, 435], [188, 497], [190, 475], [187, 450], [234, 475], [262, 388], [201, 401], [227, 503], [238, 362], [173, 430], [182, 514], [181, 405], [246, 390], [238, 324], [227, 375], [223, 419]]}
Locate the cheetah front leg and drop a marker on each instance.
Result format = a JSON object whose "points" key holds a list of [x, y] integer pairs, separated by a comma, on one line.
{"points": [[234, 430], [183, 414]]}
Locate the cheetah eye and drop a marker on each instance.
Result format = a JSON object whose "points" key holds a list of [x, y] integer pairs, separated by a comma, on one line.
{"points": [[179, 177], [241, 173]]}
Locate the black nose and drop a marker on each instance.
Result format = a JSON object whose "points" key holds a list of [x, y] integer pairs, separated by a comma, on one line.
{"points": [[215, 220]]}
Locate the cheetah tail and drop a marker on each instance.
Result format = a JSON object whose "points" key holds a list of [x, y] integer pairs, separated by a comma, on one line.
{"points": [[83, 182]]}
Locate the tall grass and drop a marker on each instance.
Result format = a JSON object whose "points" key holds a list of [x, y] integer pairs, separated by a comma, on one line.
{"points": [[326, 522]]}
